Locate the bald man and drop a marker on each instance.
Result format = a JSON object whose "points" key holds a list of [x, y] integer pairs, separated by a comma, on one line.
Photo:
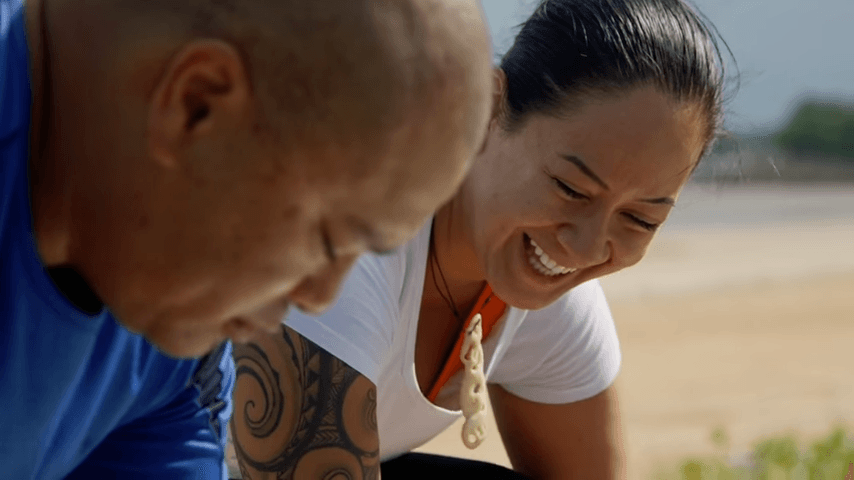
{"points": [[177, 173]]}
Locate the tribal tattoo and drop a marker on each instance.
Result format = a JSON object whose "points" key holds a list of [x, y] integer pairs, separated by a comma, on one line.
{"points": [[301, 413]]}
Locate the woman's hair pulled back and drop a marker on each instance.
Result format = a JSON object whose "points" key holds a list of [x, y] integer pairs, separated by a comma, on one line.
{"points": [[569, 48]]}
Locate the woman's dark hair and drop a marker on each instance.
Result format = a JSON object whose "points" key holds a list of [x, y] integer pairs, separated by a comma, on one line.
{"points": [[572, 47]]}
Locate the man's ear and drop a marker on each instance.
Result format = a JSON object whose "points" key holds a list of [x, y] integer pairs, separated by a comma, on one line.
{"points": [[205, 86], [499, 103]]}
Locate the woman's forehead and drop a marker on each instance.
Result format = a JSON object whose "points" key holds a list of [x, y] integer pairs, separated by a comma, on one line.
{"points": [[640, 119], [644, 134]]}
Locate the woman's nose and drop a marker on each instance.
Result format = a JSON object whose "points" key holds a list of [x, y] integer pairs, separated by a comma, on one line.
{"points": [[587, 240]]}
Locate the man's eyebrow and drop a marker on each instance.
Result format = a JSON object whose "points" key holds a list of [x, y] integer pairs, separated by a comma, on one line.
{"points": [[374, 245], [585, 170]]}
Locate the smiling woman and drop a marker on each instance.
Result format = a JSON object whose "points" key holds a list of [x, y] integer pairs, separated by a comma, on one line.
{"points": [[588, 190], [601, 111]]}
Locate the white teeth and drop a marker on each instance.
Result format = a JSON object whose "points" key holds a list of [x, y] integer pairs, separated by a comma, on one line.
{"points": [[545, 265]]}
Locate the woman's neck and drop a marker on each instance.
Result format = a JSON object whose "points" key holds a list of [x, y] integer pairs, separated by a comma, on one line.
{"points": [[451, 278], [456, 256]]}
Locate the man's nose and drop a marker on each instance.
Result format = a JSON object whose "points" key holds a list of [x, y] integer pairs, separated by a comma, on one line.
{"points": [[316, 293], [266, 319], [272, 316]]}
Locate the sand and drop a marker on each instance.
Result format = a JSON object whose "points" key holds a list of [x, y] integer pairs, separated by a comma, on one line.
{"points": [[749, 328], [756, 361]]}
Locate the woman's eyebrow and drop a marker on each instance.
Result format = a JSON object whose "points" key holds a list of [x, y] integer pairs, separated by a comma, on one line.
{"points": [[585, 170], [592, 175]]}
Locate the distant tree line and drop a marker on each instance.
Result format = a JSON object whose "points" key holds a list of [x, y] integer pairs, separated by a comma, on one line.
{"points": [[820, 128], [816, 144]]}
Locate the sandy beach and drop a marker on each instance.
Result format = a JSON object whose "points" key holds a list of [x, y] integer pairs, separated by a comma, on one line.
{"points": [[745, 322]]}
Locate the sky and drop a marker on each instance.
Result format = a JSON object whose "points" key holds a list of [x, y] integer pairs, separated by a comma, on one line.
{"points": [[786, 50]]}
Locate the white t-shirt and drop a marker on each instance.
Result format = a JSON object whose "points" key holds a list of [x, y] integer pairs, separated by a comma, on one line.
{"points": [[563, 353]]}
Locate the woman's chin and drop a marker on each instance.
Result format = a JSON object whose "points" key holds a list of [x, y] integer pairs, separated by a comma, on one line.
{"points": [[523, 297]]}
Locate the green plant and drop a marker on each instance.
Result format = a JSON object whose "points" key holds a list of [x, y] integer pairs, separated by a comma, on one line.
{"points": [[820, 127], [776, 458]]}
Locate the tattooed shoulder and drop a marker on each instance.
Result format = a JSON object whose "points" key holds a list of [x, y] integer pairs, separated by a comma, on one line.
{"points": [[301, 413]]}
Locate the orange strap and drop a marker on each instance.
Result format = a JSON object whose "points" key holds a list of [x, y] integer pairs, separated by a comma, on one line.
{"points": [[491, 309]]}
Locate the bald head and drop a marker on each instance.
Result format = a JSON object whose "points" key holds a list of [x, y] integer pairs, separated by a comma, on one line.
{"points": [[342, 71], [233, 156]]}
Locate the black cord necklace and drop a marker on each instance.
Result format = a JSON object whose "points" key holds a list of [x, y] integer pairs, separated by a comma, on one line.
{"points": [[434, 265]]}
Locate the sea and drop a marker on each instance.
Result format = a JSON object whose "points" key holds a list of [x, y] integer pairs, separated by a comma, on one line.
{"points": [[725, 205]]}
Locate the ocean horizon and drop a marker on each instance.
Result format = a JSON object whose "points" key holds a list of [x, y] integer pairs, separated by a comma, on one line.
{"points": [[726, 205]]}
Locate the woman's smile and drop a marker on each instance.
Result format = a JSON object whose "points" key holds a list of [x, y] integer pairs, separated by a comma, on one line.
{"points": [[541, 261], [539, 268]]}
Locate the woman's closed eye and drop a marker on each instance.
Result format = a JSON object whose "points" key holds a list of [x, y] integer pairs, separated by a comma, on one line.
{"points": [[572, 193], [568, 191]]}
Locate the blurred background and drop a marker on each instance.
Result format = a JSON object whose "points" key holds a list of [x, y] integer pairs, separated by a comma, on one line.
{"points": [[737, 329]]}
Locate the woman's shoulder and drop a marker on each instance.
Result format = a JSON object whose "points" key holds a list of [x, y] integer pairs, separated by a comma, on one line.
{"points": [[579, 313], [584, 301], [564, 352]]}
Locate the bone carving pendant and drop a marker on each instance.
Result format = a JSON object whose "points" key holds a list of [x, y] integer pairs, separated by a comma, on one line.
{"points": [[473, 391]]}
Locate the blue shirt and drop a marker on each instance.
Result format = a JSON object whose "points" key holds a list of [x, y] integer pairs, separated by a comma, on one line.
{"points": [[81, 396]]}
